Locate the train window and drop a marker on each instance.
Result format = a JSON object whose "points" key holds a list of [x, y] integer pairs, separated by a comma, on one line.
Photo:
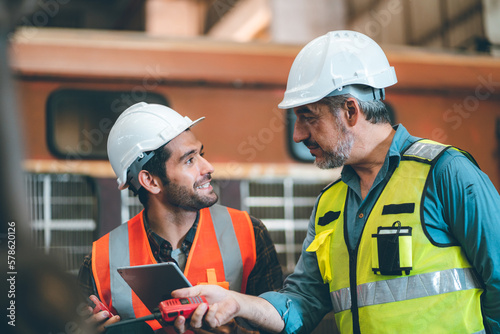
{"points": [[79, 121]]}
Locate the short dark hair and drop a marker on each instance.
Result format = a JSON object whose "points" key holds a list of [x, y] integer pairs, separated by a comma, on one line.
{"points": [[155, 166], [375, 111]]}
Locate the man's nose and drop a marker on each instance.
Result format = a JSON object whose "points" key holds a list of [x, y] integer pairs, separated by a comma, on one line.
{"points": [[299, 132], [207, 167]]}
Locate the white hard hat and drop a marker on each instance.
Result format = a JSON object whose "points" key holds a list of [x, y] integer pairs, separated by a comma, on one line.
{"points": [[333, 61], [142, 128]]}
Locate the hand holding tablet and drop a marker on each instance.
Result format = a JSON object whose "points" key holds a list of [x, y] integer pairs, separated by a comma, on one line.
{"points": [[154, 283]]}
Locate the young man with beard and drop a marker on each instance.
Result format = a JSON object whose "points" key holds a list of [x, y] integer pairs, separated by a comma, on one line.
{"points": [[406, 241], [153, 151]]}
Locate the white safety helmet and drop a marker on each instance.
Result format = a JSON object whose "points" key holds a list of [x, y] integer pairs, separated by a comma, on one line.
{"points": [[139, 129], [337, 60]]}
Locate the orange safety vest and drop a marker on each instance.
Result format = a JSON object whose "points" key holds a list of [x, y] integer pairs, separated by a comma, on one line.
{"points": [[213, 258]]}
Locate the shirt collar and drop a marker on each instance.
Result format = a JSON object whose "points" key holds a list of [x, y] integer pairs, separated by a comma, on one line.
{"points": [[156, 241], [401, 140]]}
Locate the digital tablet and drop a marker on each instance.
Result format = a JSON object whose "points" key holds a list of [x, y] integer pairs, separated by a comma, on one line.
{"points": [[154, 283]]}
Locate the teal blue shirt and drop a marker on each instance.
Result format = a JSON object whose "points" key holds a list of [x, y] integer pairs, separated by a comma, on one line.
{"points": [[461, 207]]}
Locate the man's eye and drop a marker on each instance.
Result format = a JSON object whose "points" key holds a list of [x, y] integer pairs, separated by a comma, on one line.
{"points": [[190, 161]]}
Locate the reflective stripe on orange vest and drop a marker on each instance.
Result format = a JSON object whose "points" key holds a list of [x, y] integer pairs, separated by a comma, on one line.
{"points": [[214, 250]]}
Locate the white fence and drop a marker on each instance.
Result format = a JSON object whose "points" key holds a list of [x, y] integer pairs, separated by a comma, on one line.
{"points": [[63, 210]]}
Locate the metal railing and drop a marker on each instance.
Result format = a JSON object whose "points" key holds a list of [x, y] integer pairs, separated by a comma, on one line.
{"points": [[63, 212], [284, 206]]}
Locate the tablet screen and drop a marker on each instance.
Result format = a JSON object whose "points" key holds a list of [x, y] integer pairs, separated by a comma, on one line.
{"points": [[154, 283]]}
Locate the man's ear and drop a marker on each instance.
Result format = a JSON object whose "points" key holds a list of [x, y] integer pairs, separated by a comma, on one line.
{"points": [[149, 182], [353, 111]]}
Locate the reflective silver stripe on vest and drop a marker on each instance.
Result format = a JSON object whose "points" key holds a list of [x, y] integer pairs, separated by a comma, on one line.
{"points": [[408, 287], [228, 245], [425, 150], [121, 293]]}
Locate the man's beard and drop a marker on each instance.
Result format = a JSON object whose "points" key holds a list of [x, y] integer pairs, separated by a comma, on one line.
{"points": [[337, 157], [180, 196]]}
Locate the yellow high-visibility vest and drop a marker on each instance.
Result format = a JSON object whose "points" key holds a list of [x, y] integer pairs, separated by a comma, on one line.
{"points": [[397, 280]]}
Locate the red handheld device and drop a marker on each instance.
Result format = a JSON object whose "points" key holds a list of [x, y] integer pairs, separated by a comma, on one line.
{"points": [[99, 306], [169, 310], [172, 308]]}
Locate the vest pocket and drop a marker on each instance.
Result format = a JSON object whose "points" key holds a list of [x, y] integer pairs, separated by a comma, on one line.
{"points": [[321, 245], [392, 250]]}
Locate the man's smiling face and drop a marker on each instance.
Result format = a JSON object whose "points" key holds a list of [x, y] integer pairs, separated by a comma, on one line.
{"points": [[189, 174]]}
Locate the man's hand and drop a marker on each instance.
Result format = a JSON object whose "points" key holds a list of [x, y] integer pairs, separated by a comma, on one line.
{"points": [[97, 321], [224, 306]]}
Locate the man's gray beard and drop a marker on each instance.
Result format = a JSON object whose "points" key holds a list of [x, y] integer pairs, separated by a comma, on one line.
{"points": [[340, 155]]}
